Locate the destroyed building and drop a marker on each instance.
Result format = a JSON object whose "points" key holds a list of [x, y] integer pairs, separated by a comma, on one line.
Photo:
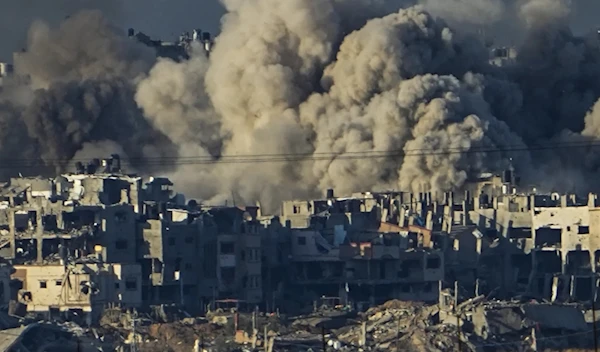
{"points": [[181, 48], [78, 227], [503, 56], [198, 254], [135, 244], [540, 245], [363, 249], [73, 216], [494, 238]]}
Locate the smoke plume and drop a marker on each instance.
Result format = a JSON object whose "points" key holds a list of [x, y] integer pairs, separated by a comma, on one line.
{"points": [[296, 85], [300, 96], [78, 87]]}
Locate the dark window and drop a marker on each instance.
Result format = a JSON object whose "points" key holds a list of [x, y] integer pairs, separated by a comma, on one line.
{"points": [[43, 284], [583, 230], [121, 244], [157, 264], [171, 241], [301, 241], [117, 286], [227, 248], [188, 267], [131, 284], [189, 239], [58, 282], [254, 255], [433, 262], [120, 216], [227, 274]]}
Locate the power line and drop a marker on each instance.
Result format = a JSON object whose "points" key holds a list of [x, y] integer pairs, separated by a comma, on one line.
{"points": [[301, 157]]}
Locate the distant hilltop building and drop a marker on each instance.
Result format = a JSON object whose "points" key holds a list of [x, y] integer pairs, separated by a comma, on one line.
{"points": [[180, 49], [503, 56]]}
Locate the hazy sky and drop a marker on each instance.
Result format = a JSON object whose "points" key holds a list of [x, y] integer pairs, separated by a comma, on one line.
{"points": [[165, 19]]}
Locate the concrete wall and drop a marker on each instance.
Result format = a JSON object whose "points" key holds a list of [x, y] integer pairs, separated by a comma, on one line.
{"points": [[304, 247], [560, 217], [296, 214], [499, 219], [119, 227], [175, 247], [66, 288], [250, 266]]}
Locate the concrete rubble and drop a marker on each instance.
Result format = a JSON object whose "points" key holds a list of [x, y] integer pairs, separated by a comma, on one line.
{"points": [[483, 325]]}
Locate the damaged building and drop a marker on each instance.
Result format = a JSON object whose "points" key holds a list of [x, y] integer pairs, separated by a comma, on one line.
{"points": [[75, 236], [511, 243], [181, 48], [494, 238], [78, 292], [362, 249], [173, 234], [98, 238], [89, 213]]}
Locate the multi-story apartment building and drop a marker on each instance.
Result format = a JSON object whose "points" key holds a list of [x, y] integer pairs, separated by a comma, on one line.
{"points": [[239, 256], [168, 250], [200, 254]]}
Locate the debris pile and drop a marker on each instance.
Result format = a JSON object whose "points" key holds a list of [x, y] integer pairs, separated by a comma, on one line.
{"points": [[474, 325]]}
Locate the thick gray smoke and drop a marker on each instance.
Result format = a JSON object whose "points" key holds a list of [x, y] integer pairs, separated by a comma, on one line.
{"points": [[389, 110], [538, 13], [558, 73], [16, 18], [303, 95], [79, 87]]}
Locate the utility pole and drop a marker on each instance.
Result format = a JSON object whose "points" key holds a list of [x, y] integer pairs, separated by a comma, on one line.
{"points": [[134, 347], [181, 288], [594, 318], [456, 312], [266, 338], [398, 336], [323, 338]]}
